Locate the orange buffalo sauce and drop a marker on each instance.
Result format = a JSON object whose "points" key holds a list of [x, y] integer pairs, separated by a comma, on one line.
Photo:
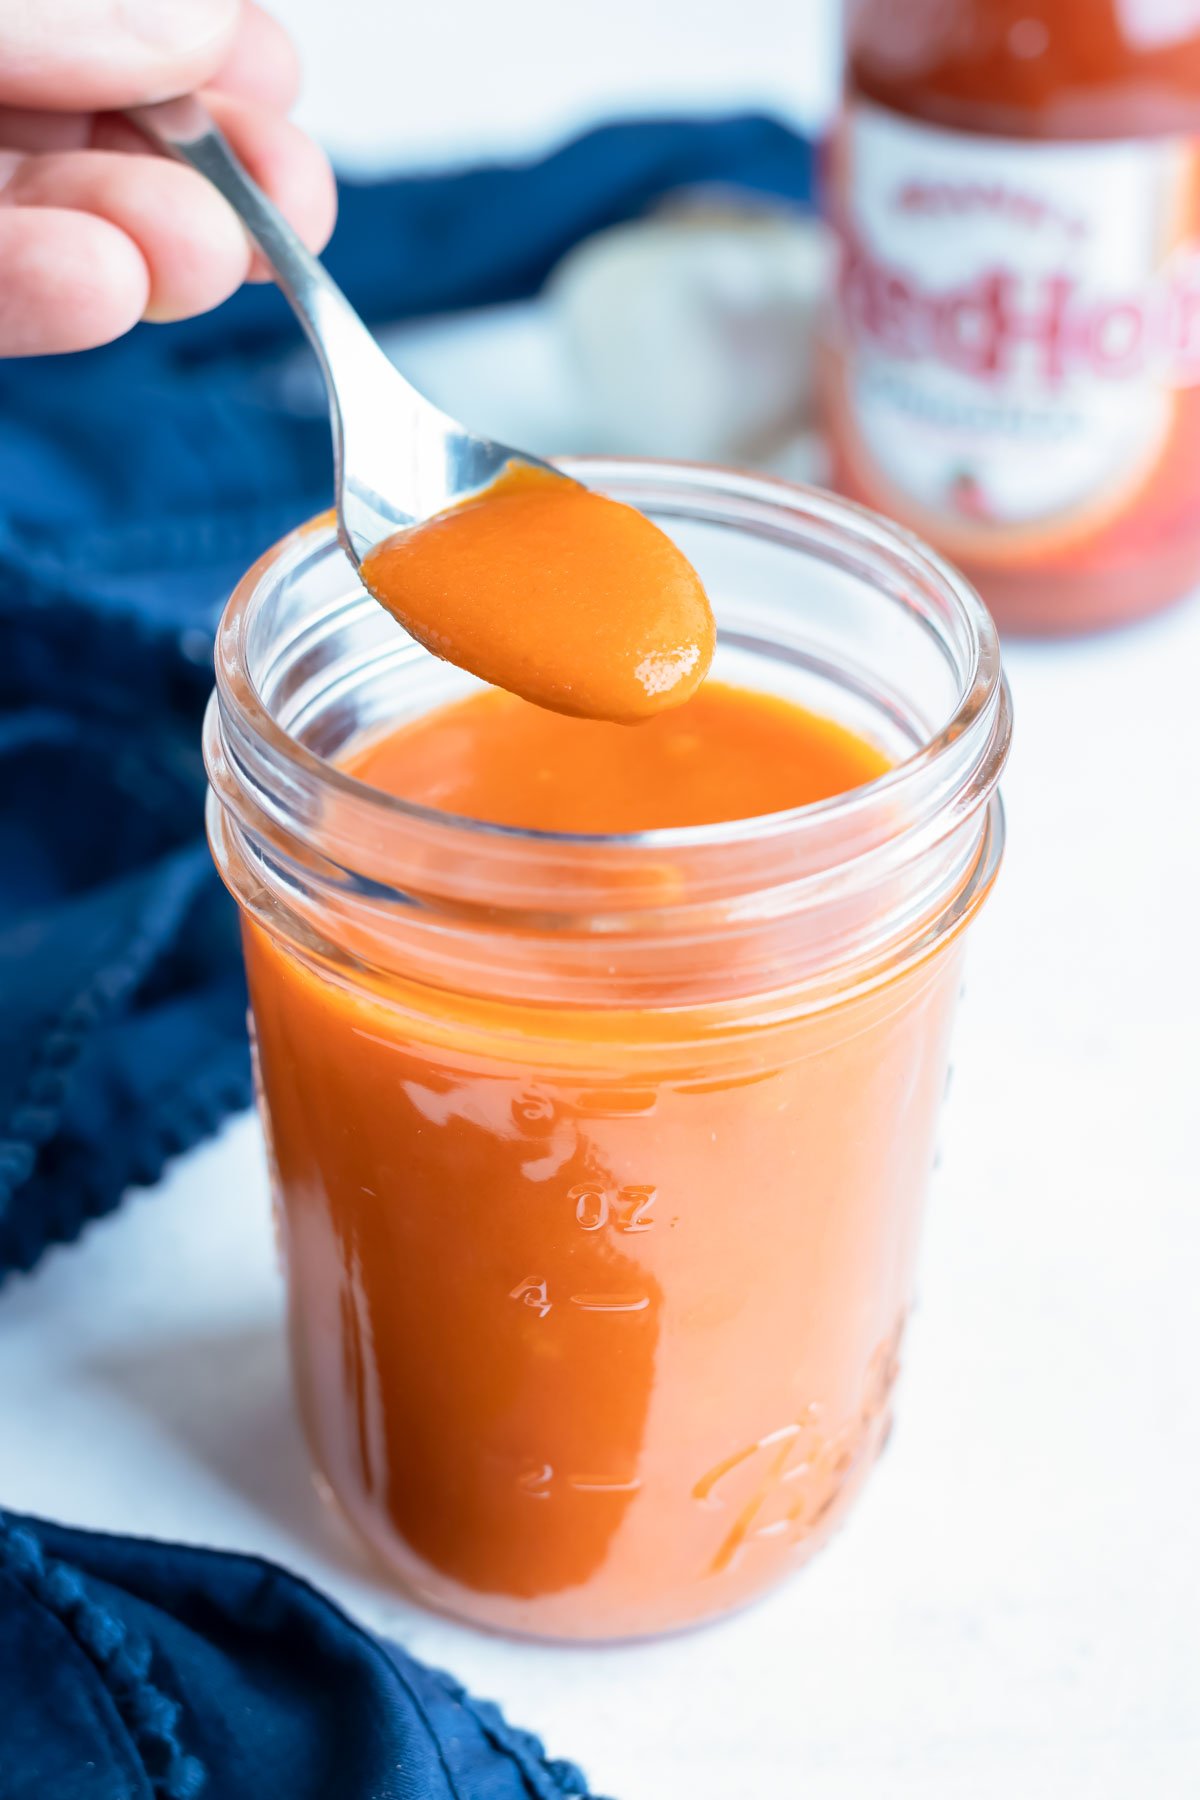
{"points": [[545, 587], [728, 754], [596, 1309]]}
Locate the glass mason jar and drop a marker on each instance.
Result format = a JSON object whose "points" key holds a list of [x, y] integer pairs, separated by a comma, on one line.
{"points": [[599, 1161]]}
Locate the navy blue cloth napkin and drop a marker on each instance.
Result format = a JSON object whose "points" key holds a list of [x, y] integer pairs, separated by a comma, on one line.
{"points": [[132, 1670], [137, 482]]}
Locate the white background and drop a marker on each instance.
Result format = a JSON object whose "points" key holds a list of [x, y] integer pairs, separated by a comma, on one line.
{"points": [[436, 83], [1013, 1612]]}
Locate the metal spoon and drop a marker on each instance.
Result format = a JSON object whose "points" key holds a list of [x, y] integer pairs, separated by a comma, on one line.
{"points": [[397, 458]]}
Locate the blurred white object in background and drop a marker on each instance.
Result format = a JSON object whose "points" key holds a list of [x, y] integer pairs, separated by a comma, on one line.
{"points": [[691, 333]]}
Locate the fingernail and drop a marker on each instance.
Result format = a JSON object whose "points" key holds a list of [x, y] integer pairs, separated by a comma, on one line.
{"points": [[180, 26]]}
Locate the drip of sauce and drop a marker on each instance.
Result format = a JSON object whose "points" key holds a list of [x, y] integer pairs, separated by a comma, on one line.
{"points": [[538, 585]]}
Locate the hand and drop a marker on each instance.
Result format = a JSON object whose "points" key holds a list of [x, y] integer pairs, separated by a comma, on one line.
{"points": [[96, 231]]}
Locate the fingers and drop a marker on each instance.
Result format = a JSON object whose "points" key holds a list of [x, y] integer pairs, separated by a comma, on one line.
{"points": [[193, 252], [286, 165], [70, 281], [96, 55], [150, 237], [24, 128], [262, 65], [188, 245]]}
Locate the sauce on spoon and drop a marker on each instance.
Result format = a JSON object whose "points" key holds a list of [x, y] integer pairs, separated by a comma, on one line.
{"points": [[564, 597]]}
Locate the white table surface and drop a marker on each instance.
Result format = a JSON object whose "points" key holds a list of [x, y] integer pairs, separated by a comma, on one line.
{"points": [[1013, 1611]]}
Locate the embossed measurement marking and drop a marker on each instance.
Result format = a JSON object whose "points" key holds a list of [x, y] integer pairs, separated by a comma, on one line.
{"points": [[532, 1292], [626, 1209], [538, 1483], [588, 1484], [535, 1294], [610, 1302]]}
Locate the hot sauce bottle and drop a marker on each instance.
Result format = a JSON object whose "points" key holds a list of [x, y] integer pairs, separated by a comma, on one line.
{"points": [[1014, 369]]}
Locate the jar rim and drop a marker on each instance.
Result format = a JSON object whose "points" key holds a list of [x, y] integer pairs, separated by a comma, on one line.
{"points": [[981, 717]]}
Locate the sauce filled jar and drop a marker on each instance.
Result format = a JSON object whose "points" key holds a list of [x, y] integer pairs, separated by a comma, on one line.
{"points": [[1016, 364], [599, 1159]]}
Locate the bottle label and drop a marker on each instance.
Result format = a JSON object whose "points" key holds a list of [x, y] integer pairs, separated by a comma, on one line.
{"points": [[1018, 326]]}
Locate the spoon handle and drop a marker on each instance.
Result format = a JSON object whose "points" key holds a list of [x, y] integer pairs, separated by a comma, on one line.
{"points": [[184, 129], [397, 457]]}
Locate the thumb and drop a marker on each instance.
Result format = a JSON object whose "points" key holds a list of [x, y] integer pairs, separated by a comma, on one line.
{"points": [[97, 55]]}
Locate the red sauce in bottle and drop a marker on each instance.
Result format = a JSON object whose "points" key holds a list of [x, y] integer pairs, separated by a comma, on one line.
{"points": [[1016, 371]]}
